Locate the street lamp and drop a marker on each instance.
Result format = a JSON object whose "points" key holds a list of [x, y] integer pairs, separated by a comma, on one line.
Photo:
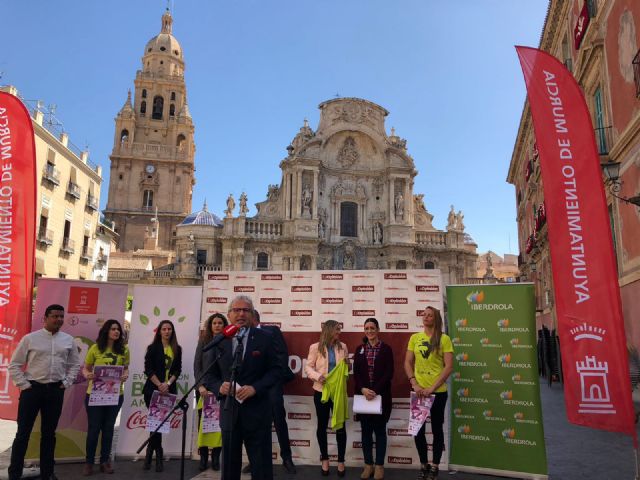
{"points": [[612, 181]]}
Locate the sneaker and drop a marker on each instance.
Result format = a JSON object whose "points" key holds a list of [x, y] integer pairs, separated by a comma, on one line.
{"points": [[433, 473]]}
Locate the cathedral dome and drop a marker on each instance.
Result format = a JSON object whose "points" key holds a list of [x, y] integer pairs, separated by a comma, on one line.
{"points": [[164, 42], [203, 217]]}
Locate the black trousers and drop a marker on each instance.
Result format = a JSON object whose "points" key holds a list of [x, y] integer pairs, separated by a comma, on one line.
{"points": [[437, 421], [276, 395], [257, 442], [323, 412], [45, 399]]}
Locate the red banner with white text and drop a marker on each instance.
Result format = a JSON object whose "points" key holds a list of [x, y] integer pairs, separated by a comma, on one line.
{"points": [[17, 237], [590, 324]]}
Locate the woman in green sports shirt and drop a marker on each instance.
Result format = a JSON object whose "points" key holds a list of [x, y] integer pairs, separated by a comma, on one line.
{"points": [[109, 349], [428, 364]]}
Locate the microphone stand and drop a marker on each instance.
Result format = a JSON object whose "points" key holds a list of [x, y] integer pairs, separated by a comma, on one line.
{"points": [[235, 367], [183, 405]]}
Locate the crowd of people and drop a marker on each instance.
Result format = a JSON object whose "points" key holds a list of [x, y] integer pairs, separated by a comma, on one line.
{"points": [[251, 367]]}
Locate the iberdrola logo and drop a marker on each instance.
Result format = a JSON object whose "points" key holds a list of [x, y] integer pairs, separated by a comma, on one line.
{"points": [[487, 413], [462, 357], [455, 340], [456, 375], [505, 358], [461, 322], [504, 323], [486, 376], [506, 395], [463, 392], [457, 411], [518, 416], [475, 297], [464, 429], [484, 341], [515, 341], [516, 377], [509, 433]]}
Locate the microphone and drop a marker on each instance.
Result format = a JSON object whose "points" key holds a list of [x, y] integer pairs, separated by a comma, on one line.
{"points": [[227, 332]]}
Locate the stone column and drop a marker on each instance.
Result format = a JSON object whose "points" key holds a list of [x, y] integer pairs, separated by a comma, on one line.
{"points": [[314, 199], [392, 197], [298, 195]]}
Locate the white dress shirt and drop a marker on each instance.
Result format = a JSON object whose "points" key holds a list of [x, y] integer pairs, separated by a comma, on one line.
{"points": [[45, 358]]}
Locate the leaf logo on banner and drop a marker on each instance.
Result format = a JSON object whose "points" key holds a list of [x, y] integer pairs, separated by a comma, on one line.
{"points": [[144, 320]]}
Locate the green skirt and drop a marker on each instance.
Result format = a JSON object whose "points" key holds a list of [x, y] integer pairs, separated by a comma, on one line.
{"points": [[209, 440]]}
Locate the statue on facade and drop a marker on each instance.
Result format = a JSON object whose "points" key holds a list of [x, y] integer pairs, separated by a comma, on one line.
{"points": [[306, 198], [451, 219], [321, 228], [243, 205], [347, 263], [489, 273], [231, 204], [377, 233], [399, 205], [459, 221]]}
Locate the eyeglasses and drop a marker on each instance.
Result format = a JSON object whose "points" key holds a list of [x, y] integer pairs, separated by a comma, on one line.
{"points": [[238, 310]]}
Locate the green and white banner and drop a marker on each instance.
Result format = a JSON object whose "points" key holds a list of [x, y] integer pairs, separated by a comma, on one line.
{"points": [[496, 415]]}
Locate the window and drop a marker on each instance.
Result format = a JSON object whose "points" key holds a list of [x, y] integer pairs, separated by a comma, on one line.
{"points": [[158, 107], [429, 265], [263, 261], [601, 138], [172, 110], [144, 93], [201, 257], [147, 199], [124, 136], [143, 108], [173, 96], [348, 219], [180, 141]]}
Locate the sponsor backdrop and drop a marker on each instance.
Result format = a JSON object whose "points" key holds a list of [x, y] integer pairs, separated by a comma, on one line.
{"points": [[298, 302], [152, 304], [17, 238], [496, 413], [87, 306]]}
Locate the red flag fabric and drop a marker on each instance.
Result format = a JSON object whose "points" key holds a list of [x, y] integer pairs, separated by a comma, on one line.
{"points": [[592, 339], [17, 237]]}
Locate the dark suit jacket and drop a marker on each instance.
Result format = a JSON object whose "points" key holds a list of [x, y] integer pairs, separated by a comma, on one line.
{"points": [[382, 375], [259, 368], [154, 365], [282, 351]]}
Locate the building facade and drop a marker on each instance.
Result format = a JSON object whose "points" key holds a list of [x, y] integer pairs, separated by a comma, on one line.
{"points": [[68, 199], [152, 161], [598, 41]]}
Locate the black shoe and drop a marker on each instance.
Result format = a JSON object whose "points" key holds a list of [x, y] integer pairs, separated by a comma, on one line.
{"points": [[204, 458], [433, 474], [289, 466], [147, 459], [325, 473], [247, 468], [215, 458], [159, 460], [342, 473], [424, 472]]}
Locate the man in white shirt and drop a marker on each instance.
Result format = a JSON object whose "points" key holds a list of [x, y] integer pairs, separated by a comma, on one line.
{"points": [[45, 363]]}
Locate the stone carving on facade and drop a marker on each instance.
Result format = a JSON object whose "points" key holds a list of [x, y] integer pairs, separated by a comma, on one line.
{"points": [[307, 197], [322, 229], [274, 193], [348, 188], [399, 206], [459, 220], [451, 219], [377, 233], [396, 141], [378, 186], [348, 154], [347, 262], [231, 204], [352, 112], [243, 205]]}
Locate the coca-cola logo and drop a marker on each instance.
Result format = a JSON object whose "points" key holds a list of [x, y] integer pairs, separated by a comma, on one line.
{"points": [[363, 288], [400, 460], [298, 416], [301, 313], [244, 289], [302, 288], [396, 301], [216, 299], [396, 326], [300, 443], [363, 313], [427, 288], [217, 276], [271, 276], [332, 300], [332, 276], [137, 419], [270, 301], [395, 276]]}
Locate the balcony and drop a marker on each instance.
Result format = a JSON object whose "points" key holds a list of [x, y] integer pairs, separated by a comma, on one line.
{"points": [[45, 237], [92, 202], [432, 239], [68, 246], [152, 151], [73, 190], [51, 174], [603, 140], [87, 253], [263, 230]]}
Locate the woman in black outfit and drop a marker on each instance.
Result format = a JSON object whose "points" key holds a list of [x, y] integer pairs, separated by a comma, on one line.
{"points": [[162, 365]]}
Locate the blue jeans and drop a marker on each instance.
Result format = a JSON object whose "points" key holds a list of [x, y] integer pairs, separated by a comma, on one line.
{"points": [[100, 419], [373, 424]]}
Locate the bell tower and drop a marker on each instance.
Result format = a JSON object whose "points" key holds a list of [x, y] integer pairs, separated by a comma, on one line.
{"points": [[152, 161]]}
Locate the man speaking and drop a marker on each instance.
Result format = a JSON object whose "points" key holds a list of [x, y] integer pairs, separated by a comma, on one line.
{"points": [[245, 407]]}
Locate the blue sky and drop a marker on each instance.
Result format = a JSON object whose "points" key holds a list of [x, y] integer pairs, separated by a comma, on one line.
{"points": [[445, 70]]}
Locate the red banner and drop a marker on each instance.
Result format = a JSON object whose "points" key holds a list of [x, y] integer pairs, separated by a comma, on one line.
{"points": [[17, 237], [589, 311]]}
